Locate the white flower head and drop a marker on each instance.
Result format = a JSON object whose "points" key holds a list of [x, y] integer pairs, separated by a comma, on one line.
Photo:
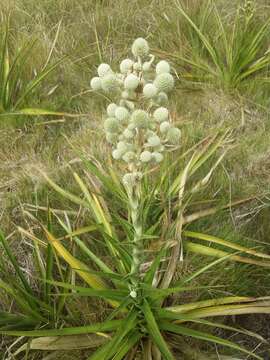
{"points": [[129, 157], [149, 91], [126, 66], [164, 82], [140, 47], [128, 134], [173, 135], [131, 82], [140, 118], [145, 156], [109, 83], [104, 69], [153, 141], [121, 113], [111, 109], [96, 83], [157, 156], [163, 67], [161, 114], [111, 125], [164, 127], [117, 154]]}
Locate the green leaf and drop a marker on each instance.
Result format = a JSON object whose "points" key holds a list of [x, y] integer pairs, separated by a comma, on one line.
{"points": [[181, 330], [154, 332], [87, 329]]}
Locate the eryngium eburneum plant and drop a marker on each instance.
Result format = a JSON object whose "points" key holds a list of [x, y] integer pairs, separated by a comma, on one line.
{"points": [[138, 280], [138, 124]]}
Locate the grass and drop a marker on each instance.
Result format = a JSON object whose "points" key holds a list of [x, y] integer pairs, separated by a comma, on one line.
{"points": [[200, 110]]}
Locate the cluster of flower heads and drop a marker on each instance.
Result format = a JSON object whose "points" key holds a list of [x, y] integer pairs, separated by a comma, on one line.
{"points": [[138, 123]]}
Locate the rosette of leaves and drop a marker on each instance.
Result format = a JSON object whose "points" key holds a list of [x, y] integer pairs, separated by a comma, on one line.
{"points": [[147, 319]]}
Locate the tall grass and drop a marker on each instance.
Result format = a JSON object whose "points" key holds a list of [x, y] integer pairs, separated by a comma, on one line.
{"points": [[16, 86], [235, 52]]}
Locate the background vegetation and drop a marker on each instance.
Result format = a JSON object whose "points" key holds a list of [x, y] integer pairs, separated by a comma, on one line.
{"points": [[212, 93]]}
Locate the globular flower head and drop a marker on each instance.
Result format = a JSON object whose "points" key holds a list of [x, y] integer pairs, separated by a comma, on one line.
{"points": [[164, 82], [130, 179], [128, 134], [126, 66], [162, 98], [104, 69], [157, 156], [109, 83], [96, 83], [111, 125], [147, 66], [129, 157], [161, 114], [131, 82], [121, 113], [140, 118], [164, 127], [111, 137], [163, 67], [140, 47], [146, 156], [153, 141], [117, 154], [111, 109], [174, 135], [149, 91], [137, 66]]}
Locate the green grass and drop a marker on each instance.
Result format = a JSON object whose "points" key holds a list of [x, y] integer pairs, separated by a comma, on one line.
{"points": [[200, 111]]}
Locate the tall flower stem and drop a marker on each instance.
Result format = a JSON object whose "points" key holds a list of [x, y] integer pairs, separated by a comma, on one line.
{"points": [[134, 195]]}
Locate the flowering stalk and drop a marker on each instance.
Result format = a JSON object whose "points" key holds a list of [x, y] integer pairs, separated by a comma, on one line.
{"points": [[138, 125]]}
